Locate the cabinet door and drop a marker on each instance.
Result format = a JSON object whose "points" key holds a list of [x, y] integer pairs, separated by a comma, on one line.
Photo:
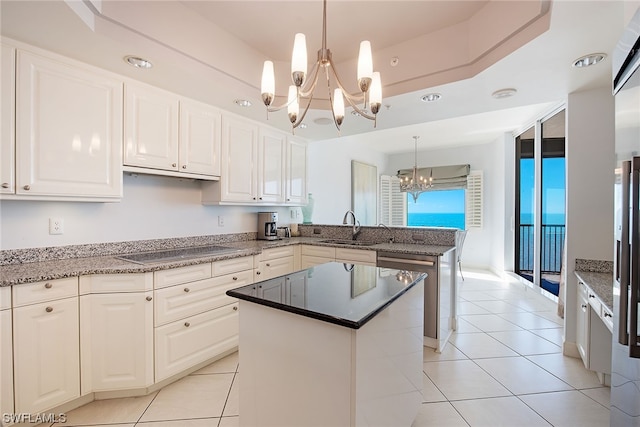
{"points": [[239, 157], [296, 172], [150, 127], [117, 341], [199, 138], [272, 290], [582, 325], [272, 152], [296, 289], [46, 355], [6, 363], [68, 129], [7, 126], [185, 343], [274, 268]]}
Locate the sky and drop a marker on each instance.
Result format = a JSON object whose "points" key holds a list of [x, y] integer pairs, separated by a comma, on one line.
{"points": [[553, 191]]}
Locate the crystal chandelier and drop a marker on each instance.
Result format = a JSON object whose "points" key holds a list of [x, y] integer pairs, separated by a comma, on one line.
{"points": [[302, 89], [410, 181]]}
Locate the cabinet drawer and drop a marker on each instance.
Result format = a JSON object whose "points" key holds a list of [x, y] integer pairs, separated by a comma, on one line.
{"points": [[307, 261], [109, 283], [274, 268], [48, 290], [176, 276], [185, 343], [228, 266], [594, 302], [181, 301], [607, 318], [356, 255], [273, 253], [321, 251], [5, 297]]}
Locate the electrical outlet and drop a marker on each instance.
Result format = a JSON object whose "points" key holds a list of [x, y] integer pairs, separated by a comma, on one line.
{"points": [[56, 226], [293, 214], [220, 221]]}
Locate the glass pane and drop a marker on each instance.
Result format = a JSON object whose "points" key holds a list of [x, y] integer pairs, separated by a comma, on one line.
{"points": [[553, 202], [443, 208], [525, 180]]}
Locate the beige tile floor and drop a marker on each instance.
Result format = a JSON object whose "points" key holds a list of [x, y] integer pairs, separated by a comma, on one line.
{"points": [[503, 367]]}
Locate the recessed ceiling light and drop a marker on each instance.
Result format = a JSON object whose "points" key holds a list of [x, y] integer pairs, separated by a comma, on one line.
{"points": [[323, 121], [138, 62], [504, 93], [242, 103], [589, 60], [431, 97]]}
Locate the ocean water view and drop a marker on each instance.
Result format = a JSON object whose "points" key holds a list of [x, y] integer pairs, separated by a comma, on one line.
{"points": [[453, 220]]}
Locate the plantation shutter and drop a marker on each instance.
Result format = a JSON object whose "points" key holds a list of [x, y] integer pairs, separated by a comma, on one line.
{"points": [[473, 200], [393, 203]]}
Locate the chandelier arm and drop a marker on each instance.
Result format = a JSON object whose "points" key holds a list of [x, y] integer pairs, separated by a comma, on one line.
{"points": [[312, 82], [350, 98], [304, 112]]}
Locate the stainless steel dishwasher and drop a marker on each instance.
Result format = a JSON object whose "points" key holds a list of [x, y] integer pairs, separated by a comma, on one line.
{"points": [[439, 291]]}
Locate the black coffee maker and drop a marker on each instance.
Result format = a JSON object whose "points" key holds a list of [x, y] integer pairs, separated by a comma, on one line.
{"points": [[267, 225]]}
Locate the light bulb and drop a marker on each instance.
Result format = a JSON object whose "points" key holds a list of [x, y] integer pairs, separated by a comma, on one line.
{"points": [[375, 95], [292, 101], [365, 66], [338, 106], [268, 86], [299, 60]]}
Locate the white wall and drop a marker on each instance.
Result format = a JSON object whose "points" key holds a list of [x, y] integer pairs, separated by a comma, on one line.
{"points": [[482, 248], [590, 179], [152, 208], [329, 172]]}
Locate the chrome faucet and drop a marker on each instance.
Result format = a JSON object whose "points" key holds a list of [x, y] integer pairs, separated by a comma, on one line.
{"points": [[356, 224], [389, 230]]}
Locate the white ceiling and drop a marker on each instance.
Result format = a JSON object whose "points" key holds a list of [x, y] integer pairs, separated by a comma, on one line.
{"points": [[465, 50]]}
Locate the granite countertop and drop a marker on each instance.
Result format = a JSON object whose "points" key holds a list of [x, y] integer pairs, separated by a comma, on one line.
{"points": [[598, 276], [29, 272], [333, 294]]}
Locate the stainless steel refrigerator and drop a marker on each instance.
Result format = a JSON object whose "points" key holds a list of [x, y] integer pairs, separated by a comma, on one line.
{"points": [[625, 362]]}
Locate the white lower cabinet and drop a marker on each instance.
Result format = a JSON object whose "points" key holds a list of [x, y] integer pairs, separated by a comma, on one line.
{"points": [[195, 320], [46, 355], [116, 332], [593, 337], [274, 262], [182, 344], [6, 352]]}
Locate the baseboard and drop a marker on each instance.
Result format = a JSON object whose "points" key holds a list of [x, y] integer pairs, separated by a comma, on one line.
{"points": [[570, 349]]}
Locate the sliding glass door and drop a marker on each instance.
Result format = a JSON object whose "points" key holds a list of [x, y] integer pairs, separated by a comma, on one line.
{"points": [[540, 202]]}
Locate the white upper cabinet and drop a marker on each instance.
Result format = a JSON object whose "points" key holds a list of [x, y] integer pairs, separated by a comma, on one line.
{"points": [[259, 166], [169, 135], [68, 129], [199, 140], [151, 127], [296, 181], [239, 156], [272, 154], [7, 126]]}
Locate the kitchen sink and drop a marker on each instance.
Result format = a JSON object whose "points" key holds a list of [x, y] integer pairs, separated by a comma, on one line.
{"points": [[179, 254], [348, 242]]}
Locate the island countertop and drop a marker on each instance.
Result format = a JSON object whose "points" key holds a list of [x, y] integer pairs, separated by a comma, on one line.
{"points": [[332, 292]]}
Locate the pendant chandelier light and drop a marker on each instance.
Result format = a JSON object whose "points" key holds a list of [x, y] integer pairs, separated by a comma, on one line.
{"points": [[303, 88], [414, 184]]}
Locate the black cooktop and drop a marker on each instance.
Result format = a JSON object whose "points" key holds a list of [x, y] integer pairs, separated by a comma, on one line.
{"points": [[176, 254]]}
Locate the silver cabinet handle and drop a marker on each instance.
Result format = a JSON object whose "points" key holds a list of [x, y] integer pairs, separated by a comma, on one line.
{"points": [[584, 306], [173, 165], [187, 289], [184, 166], [607, 315], [187, 324], [48, 309], [268, 265], [27, 187], [235, 308], [235, 278], [149, 298], [48, 286], [5, 185], [257, 272]]}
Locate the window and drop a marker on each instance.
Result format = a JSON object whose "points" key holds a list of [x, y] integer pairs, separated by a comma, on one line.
{"points": [[443, 208], [458, 207]]}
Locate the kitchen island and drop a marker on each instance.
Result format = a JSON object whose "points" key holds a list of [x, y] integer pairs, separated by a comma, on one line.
{"points": [[333, 345]]}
